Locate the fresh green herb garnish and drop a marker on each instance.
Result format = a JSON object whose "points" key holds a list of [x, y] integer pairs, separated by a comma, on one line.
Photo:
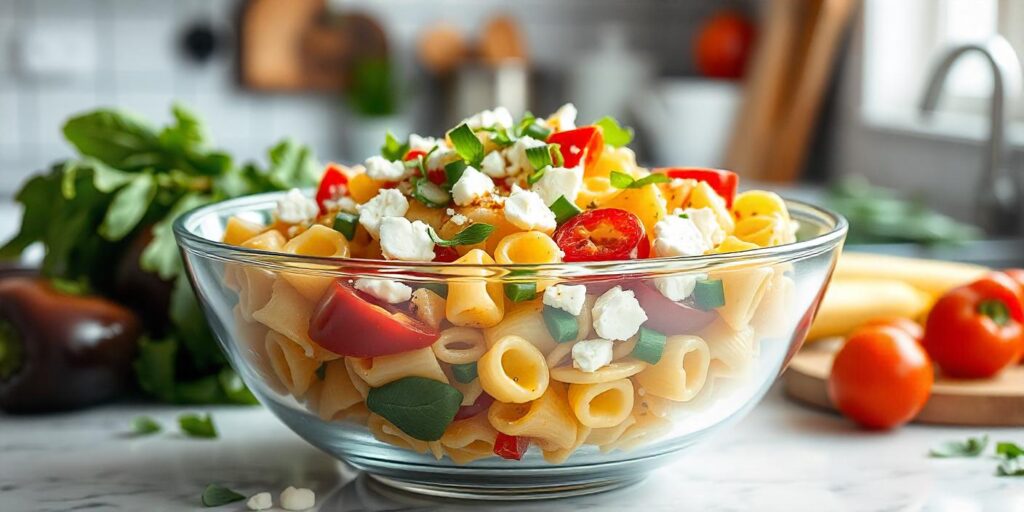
{"points": [[471, 235], [466, 144], [557, 160], [971, 447], [709, 294], [345, 223], [614, 134], [535, 130], [684, 215], [393, 149], [418, 406], [1009, 450], [215, 495], [650, 345], [564, 210], [429, 193], [144, 426], [453, 171], [539, 157], [624, 181], [195, 425], [520, 292], [534, 177]]}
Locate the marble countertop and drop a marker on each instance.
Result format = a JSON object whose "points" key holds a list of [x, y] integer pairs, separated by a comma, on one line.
{"points": [[781, 457]]}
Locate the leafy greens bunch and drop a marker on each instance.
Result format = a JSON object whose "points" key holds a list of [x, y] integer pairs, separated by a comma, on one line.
{"points": [[104, 218]]}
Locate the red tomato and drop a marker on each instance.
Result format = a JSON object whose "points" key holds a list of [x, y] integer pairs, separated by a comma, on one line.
{"points": [[510, 447], [575, 144], [722, 182], [602, 235], [437, 176], [332, 186], [667, 316], [349, 323], [723, 45], [481, 404], [413, 154], [1017, 274], [974, 331], [906, 325], [444, 254], [881, 378]]}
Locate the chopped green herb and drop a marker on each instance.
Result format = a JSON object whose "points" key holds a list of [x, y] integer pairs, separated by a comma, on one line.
{"points": [[684, 215], [623, 181], [144, 426], [536, 176], [561, 324], [614, 134], [418, 406], [464, 373], [709, 294], [440, 289], [536, 131], [392, 148], [321, 371], [428, 193], [501, 136], [1011, 467], [453, 171], [539, 157], [971, 447], [466, 144], [557, 159], [345, 223], [215, 496], [1009, 450], [473, 234], [520, 292], [650, 345], [195, 425], [564, 209]]}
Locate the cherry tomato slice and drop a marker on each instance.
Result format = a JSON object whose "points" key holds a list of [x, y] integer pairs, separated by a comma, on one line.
{"points": [[510, 447], [604, 234], [579, 143], [668, 316], [350, 323], [437, 176], [444, 254], [722, 182], [413, 154], [332, 186], [481, 404]]}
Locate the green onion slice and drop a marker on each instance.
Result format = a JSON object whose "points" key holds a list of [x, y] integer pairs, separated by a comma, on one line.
{"points": [[466, 144], [345, 223], [650, 345], [561, 324], [709, 294], [564, 209], [520, 292], [465, 373]]}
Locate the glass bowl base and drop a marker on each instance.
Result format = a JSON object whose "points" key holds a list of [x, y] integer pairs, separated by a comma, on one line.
{"points": [[504, 491]]}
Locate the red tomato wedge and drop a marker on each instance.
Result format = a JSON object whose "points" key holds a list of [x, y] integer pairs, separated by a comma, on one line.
{"points": [[332, 186], [444, 254], [664, 315], [511, 447], [350, 323], [602, 235], [413, 154], [722, 182], [575, 144]]}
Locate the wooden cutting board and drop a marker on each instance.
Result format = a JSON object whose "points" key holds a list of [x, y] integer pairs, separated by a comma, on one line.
{"points": [[997, 402]]}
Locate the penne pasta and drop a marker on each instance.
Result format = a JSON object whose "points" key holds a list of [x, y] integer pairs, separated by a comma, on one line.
{"points": [[288, 313], [378, 371], [470, 439], [293, 369], [681, 372]]}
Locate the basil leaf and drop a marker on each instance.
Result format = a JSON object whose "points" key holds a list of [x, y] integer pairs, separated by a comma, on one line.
{"points": [[144, 426], [471, 235], [453, 171], [1009, 450], [215, 496], [195, 425], [624, 181], [161, 255], [620, 180], [466, 144], [971, 447], [539, 157], [293, 165], [116, 139], [233, 387], [418, 406], [393, 149], [37, 197], [128, 207], [188, 317], [154, 367], [614, 134]]}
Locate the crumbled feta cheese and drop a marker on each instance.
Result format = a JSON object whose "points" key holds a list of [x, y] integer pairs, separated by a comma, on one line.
{"points": [[677, 288], [676, 236], [297, 499], [493, 165], [677, 183], [471, 186], [559, 181], [617, 314], [707, 223], [260, 501], [296, 208], [568, 298], [499, 117], [386, 290], [346, 204], [565, 117], [387, 203], [459, 219], [518, 163], [424, 143], [405, 241], [380, 169], [590, 355], [526, 210], [442, 157]]}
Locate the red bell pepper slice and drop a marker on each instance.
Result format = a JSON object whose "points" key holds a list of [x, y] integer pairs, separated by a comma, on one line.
{"points": [[579, 143], [510, 447], [722, 182], [349, 323], [332, 186]]}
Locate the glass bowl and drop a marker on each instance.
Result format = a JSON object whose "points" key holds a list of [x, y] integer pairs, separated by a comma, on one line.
{"points": [[717, 352]]}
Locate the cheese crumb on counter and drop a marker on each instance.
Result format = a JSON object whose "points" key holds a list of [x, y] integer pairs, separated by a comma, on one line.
{"points": [[297, 499], [260, 501]]}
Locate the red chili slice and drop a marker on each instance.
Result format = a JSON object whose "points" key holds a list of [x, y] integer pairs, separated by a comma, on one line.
{"points": [[332, 187], [350, 323], [575, 144], [604, 234], [481, 404], [722, 182], [510, 447], [667, 316]]}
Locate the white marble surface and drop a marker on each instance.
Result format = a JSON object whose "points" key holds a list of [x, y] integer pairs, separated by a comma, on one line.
{"points": [[782, 457]]}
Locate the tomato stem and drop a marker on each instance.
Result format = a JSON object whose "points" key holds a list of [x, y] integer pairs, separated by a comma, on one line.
{"points": [[996, 310], [12, 352]]}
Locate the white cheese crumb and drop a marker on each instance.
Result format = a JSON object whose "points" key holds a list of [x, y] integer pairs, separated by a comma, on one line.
{"points": [[424, 143], [493, 165], [459, 219], [472, 185], [387, 203], [565, 117], [499, 117], [442, 157], [380, 169], [260, 501], [617, 314], [527, 211], [297, 499], [346, 204], [676, 236], [559, 181], [677, 288], [568, 298], [405, 241], [296, 208], [590, 355], [386, 290], [518, 163], [707, 224]]}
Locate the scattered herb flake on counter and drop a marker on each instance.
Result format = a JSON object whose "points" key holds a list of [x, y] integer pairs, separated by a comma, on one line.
{"points": [[971, 447], [105, 218], [195, 425], [215, 495], [1009, 450], [144, 426]]}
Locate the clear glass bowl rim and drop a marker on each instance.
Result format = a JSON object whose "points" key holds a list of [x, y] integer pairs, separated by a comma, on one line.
{"points": [[189, 240]]}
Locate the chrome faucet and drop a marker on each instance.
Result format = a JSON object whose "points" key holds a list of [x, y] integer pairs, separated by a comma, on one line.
{"points": [[998, 196]]}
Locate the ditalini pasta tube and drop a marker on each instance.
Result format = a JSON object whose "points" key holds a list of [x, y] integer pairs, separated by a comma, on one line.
{"points": [[513, 371], [474, 302], [292, 367], [602, 405], [547, 419], [681, 372], [320, 241], [470, 439]]}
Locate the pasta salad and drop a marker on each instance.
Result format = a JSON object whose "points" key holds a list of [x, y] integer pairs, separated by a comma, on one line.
{"points": [[474, 367]]}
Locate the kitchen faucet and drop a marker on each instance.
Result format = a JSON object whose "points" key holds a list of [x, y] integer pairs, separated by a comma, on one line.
{"points": [[998, 196]]}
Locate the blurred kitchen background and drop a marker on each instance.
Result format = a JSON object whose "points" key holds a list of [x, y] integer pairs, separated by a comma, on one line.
{"points": [[793, 92]]}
